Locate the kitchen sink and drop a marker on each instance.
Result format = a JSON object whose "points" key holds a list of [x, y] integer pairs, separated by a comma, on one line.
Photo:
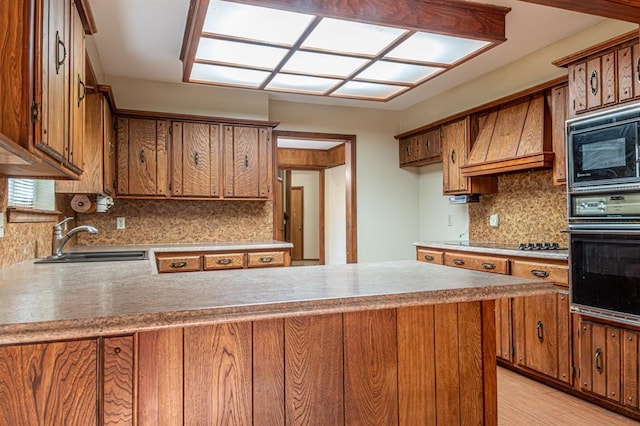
{"points": [[97, 256]]}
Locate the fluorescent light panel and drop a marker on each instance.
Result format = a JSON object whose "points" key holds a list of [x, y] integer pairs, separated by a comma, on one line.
{"points": [[261, 48]]}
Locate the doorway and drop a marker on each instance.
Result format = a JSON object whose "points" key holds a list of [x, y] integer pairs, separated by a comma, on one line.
{"points": [[297, 223], [331, 157]]}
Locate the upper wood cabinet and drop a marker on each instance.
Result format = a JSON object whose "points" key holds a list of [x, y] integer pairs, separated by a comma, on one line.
{"points": [[559, 103], [142, 156], [420, 149], [456, 143], [42, 75], [195, 155], [248, 162], [603, 75]]}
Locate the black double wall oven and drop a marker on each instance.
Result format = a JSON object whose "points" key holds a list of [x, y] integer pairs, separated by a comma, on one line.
{"points": [[603, 173]]}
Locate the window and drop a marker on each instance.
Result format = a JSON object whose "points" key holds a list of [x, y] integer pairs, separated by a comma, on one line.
{"points": [[31, 194]]}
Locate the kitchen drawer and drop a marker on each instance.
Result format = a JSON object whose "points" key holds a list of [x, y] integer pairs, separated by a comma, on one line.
{"points": [[266, 258], [496, 265], [430, 256], [558, 274], [223, 261], [186, 263]]}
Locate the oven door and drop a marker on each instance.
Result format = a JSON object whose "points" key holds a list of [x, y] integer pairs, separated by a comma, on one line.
{"points": [[604, 155], [605, 272]]}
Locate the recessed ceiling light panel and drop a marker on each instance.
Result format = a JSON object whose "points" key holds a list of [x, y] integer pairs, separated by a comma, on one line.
{"points": [[301, 83], [358, 89], [323, 64], [351, 37], [255, 23], [231, 52], [228, 76], [397, 72], [436, 48]]}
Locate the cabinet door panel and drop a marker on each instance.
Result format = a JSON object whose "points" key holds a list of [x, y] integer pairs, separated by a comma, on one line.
{"points": [[217, 374], [265, 162], [613, 364], [143, 135], [635, 70], [241, 161], [77, 90], [625, 74], [538, 336], [609, 82], [559, 111], [454, 139], [49, 384], [504, 329], [586, 364], [577, 88], [109, 149], [191, 157], [447, 364], [564, 339], [118, 381], [268, 373], [630, 369]]}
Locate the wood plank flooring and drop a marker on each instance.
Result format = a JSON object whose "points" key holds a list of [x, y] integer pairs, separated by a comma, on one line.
{"points": [[524, 402]]}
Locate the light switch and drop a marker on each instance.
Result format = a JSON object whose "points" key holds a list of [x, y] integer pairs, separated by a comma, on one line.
{"points": [[1, 225], [120, 224]]}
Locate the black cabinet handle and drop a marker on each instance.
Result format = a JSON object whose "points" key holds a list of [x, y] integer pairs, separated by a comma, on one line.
{"points": [[60, 43], [429, 258], [593, 82], [223, 261], [178, 264], [142, 156], [539, 273], [428, 144], [458, 261], [540, 331], [266, 259], [638, 70], [453, 156], [488, 266], [196, 158], [246, 161], [598, 361], [82, 90]]}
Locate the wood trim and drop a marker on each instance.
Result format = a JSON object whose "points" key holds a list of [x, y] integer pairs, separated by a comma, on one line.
{"points": [[614, 9], [107, 92], [597, 48], [193, 117], [22, 215], [86, 16], [542, 160], [514, 97], [321, 216], [473, 20], [195, 22]]}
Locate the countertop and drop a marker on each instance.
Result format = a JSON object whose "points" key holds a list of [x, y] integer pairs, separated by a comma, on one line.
{"points": [[494, 248], [42, 302]]}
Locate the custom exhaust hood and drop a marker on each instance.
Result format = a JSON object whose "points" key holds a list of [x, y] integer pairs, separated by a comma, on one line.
{"points": [[514, 137]]}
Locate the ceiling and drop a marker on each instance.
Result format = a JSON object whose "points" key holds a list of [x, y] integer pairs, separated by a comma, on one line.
{"points": [[142, 39]]}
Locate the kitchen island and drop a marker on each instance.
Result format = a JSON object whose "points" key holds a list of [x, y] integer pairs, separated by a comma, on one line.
{"points": [[383, 343]]}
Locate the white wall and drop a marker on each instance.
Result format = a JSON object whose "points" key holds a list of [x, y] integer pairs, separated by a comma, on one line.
{"points": [[335, 218], [435, 209], [310, 181]]}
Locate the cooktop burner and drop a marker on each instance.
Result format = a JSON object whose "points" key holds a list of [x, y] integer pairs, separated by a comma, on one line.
{"points": [[540, 246], [507, 246]]}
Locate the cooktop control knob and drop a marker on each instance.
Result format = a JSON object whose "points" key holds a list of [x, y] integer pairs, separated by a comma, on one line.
{"points": [[547, 246], [555, 246]]}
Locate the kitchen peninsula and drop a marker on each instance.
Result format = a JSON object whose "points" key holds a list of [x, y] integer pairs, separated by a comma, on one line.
{"points": [[396, 342]]}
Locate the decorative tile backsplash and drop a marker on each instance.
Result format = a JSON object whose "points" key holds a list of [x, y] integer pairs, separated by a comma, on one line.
{"points": [[179, 221], [530, 208]]}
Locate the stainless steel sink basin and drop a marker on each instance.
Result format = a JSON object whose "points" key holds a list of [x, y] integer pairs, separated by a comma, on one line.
{"points": [[97, 256]]}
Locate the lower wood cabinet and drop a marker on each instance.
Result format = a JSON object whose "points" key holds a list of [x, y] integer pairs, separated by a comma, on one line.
{"points": [[600, 356], [209, 261]]}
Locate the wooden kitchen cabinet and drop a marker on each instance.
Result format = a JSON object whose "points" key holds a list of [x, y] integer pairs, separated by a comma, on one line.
{"points": [[600, 356], [420, 149], [109, 159], [142, 156], [542, 329], [559, 100], [248, 158], [456, 144], [49, 384], [486, 263], [216, 260], [430, 256], [195, 159], [556, 272]]}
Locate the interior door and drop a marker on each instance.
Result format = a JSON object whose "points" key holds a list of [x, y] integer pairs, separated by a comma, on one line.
{"points": [[297, 229]]}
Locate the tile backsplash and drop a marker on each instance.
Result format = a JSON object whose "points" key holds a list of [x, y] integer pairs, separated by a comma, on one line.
{"points": [[179, 221], [530, 208]]}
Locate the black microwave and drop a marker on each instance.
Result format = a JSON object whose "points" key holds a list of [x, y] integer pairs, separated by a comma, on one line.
{"points": [[602, 150]]}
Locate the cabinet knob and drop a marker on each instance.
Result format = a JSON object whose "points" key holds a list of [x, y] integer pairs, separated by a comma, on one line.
{"points": [[488, 266], [428, 258], [178, 264], [458, 262], [593, 82]]}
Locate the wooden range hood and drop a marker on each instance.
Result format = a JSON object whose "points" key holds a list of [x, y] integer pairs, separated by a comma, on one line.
{"points": [[512, 138]]}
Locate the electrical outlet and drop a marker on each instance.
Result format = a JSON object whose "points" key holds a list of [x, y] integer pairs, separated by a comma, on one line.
{"points": [[1, 225], [120, 223], [494, 220], [450, 220]]}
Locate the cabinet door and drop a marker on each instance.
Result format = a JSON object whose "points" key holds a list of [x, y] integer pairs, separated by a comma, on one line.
{"points": [[49, 384], [428, 146], [577, 88], [559, 114], [600, 360], [247, 162], [404, 150], [195, 159], [78, 90], [504, 329], [454, 155], [109, 148], [625, 74], [117, 380], [536, 319], [142, 156], [630, 368]]}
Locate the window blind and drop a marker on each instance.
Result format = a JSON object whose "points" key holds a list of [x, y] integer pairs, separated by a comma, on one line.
{"points": [[32, 193]]}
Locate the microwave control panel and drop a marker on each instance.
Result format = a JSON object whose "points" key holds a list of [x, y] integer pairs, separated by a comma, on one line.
{"points": [[606, 205]]}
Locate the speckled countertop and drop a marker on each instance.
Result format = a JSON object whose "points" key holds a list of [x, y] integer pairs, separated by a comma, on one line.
{"points": [[494, 248], [42, 302]]}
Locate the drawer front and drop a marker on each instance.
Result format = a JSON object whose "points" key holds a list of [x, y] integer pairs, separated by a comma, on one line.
{"points": [[545, 271], [223, 261], [266, 258], [179, 264], [496, 265], [430, 256]]}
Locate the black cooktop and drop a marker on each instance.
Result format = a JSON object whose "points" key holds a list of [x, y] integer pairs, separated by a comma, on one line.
{"points": [[516, 246]]}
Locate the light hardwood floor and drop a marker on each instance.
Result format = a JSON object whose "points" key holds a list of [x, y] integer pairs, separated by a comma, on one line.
{"points": [[524, 402]]}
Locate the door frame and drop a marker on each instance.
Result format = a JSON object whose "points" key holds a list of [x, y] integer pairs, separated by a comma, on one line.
{"points": [[301, 189], [350, 186]]}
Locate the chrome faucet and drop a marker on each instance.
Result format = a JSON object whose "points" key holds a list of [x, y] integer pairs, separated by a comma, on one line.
{"points": [[58, 241]]}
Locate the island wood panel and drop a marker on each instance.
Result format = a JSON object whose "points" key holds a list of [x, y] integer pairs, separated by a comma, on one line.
{"points": [[49, 384], [370, 368], [159, 363], [416, 371], [218, 374], [314, 370], [117, 381], [504, 330], [630, 369], [447, 365], [268, 373], [470, 363]]}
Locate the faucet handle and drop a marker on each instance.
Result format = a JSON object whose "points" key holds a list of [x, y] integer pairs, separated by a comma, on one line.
{"points": [[58, 226]]}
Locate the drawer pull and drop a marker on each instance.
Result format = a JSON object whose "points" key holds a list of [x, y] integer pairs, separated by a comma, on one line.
{"points": [[638, 70], [458, 261], [593, 82], [178, 264], [266, 259], [598, 360], [224, 261], [488, 266], [429, 258], [540, 331], [539, 273]]}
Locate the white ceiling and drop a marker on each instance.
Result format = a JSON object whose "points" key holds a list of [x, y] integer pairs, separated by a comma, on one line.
{"points": [[308, 144], [142, 39]]}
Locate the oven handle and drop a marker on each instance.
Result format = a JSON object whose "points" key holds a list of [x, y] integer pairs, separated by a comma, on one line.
{"points": [[582, 231]]}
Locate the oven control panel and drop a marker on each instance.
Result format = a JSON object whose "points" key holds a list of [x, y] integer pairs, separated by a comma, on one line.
{"points": [[606, 205]]}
